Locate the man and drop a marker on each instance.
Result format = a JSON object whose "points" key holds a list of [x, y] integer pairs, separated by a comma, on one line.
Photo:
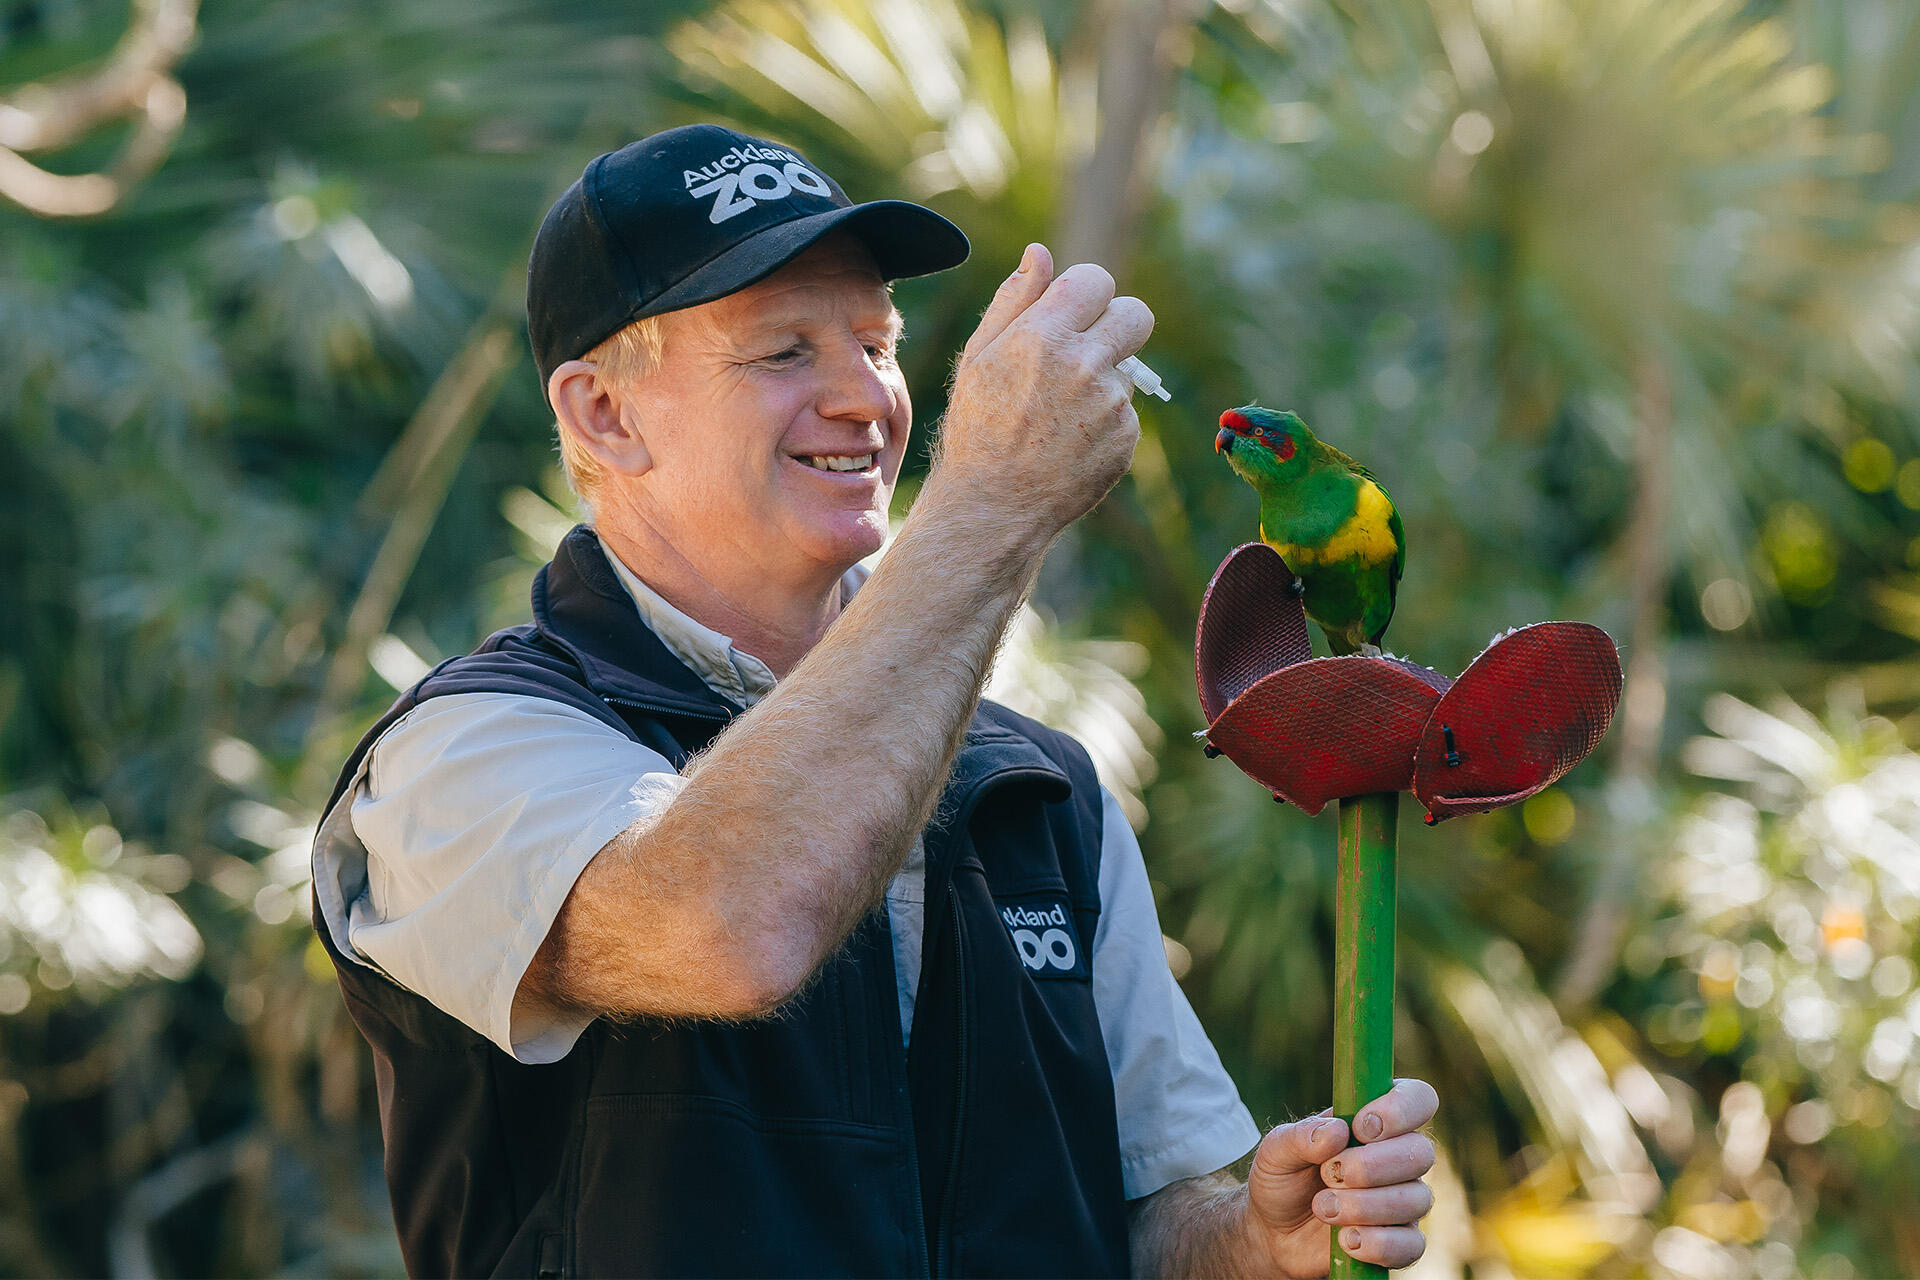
{"points": [[711, 924]]}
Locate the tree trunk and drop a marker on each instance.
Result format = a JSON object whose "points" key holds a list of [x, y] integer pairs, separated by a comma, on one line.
{"points": [[1141, 44], [1139, 41], [1644, 703], [1644, 706]]}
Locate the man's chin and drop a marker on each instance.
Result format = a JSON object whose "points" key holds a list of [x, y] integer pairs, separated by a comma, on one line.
{"points": [[844, 542]]}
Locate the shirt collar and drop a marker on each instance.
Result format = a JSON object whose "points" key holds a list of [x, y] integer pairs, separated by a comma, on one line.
{"points": [[737, 676]]}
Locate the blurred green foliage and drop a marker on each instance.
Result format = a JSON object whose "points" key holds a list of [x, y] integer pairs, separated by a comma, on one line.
{"points": [[1619, 297]]}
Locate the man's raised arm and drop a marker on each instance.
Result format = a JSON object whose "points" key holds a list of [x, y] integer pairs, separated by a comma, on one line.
{"points": [[790, 825]]}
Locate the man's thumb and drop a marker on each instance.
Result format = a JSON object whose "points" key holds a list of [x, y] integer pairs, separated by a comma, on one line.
{"points": [[1286, 1168], [1016, 293]]}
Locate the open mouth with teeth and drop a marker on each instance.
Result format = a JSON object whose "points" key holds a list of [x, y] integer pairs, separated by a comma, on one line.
{"points": [[824, 462]]}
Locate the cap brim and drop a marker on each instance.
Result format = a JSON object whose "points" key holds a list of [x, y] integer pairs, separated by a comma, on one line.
{"points": [[905, 239]]}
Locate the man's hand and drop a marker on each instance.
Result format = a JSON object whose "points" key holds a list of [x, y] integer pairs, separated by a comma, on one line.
{"points": [[1306, 1181], [1040, 421]]}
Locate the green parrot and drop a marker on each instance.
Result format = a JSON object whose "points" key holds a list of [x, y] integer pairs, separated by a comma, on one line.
{"points": [[1327, 517]]}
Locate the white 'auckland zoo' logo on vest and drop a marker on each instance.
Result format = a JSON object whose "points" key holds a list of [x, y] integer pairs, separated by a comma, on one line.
{"points": [[744, 176], [1041, 934]]}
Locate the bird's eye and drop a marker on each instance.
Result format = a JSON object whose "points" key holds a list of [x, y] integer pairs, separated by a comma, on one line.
{"points": [[1261, 432]]}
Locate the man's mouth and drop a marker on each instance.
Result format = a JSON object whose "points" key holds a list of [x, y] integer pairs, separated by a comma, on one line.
{"points": [[836, 462]]}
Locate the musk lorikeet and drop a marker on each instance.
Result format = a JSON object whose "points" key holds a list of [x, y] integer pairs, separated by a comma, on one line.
{"points": [[1327, 517]]}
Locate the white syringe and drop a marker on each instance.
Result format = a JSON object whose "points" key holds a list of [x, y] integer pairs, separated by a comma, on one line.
{"points": [[1143, 378]]}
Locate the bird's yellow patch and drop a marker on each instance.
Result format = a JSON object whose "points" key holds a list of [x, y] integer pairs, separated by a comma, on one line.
{"points": [[1364, 536]]}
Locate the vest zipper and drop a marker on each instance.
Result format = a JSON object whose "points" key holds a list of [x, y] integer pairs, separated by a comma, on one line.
{"points": [[950, 1194], [919, 1205], [670, 708], [903, 1096]]}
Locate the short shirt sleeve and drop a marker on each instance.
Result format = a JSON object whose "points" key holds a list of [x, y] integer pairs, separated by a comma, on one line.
{"points": [[1179, 1112], [475, 814]]}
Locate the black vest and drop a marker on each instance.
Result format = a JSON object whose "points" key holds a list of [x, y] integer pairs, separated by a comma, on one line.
{"points": [[809, 1143]]}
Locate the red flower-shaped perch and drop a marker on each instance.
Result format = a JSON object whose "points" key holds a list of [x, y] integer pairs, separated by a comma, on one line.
{"points": [[1310, 730]]}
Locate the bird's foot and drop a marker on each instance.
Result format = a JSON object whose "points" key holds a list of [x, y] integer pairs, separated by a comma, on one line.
{"points": [[1370, 651], [1297, 589]]}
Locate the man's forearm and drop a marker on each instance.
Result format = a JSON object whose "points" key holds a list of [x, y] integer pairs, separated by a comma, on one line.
{"points": [[1194, 1228], [791, 824]]}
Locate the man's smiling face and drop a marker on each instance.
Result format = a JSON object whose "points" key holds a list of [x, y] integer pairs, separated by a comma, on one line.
{"points": [[777, 419]]}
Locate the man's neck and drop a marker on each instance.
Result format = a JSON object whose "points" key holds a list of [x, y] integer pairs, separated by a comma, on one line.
{"points": [[774, 621]]}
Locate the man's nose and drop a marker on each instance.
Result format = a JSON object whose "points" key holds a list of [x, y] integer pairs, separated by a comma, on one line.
{"points": [[853, 388]]}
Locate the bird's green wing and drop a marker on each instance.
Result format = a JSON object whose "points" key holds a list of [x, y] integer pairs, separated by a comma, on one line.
{"points": [[1399, 541], [1334, 455], [1394, 527], [1399, 533], [1393, 519], [1358, 468]]}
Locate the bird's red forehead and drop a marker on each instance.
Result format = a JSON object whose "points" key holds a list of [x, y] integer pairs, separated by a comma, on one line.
{"points": [[1234, 420]]}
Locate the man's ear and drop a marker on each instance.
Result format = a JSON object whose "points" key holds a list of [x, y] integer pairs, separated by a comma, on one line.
{"points": [[599, 418]]}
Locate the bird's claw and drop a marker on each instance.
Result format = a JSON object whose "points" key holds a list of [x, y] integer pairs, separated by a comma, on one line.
{"points": [[1297, 589]]}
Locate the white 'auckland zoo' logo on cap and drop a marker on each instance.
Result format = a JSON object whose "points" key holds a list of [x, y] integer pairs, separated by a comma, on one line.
{"points": [[744, 176]]}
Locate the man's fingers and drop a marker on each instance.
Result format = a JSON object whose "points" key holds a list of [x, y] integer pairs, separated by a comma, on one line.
{"points": [[1390, 1247], [1402, 1109], [1286, 1169], [1123, 328], [1078, 298], [1374, 1206], [1290, 1148], [1381, 1164], [1017, 292]]}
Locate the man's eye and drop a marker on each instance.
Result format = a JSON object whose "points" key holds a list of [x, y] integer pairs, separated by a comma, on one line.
{"points": [[781, 357], [879, 353]]}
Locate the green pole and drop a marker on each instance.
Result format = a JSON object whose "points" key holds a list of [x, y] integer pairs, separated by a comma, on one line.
{"points": [[1364, 892]]}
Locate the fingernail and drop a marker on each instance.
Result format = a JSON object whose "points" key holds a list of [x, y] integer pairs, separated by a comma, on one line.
{"points": [[1349, 1239], [1320, 1130], [1327, 1204], [1026, 261], [1333, 1172], [1370, 1127]]}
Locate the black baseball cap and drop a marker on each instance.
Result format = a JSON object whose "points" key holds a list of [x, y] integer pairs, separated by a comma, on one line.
{"points": [[693, 214]]}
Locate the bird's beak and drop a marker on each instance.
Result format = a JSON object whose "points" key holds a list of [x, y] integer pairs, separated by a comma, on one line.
{"points": [[1223, 443]]}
